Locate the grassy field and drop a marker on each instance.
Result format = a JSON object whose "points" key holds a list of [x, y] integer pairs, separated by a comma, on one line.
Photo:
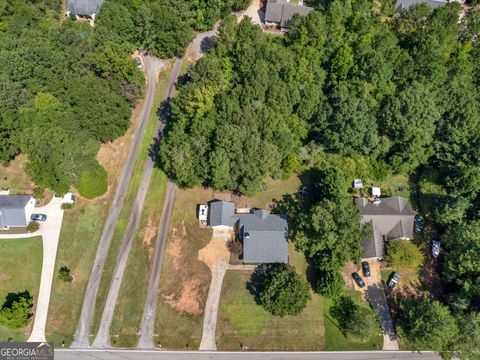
{"points": [[334, 338], [124, 217], [243, 322], [128, 311], [81, 230], [20, 270]]}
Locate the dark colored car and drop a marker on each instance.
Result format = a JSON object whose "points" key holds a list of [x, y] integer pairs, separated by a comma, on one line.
{"points": [[38, 217], [365, 269], [358, 279], [394, 280], [418, 224]]}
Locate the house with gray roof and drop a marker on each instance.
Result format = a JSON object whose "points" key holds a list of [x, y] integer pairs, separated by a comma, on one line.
{"points": [[264, 235], [405, 4], [391, 218], [280, 12], [84, 8], [15, 210]]}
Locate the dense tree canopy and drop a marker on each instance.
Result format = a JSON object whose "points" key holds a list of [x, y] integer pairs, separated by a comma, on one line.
{"points": [[402, 92], [427, 324]]}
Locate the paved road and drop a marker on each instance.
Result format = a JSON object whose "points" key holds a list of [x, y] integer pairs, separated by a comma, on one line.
{"points": [[81, 335], [148, 319], [103, 336], [205, 355], [50, 233]]}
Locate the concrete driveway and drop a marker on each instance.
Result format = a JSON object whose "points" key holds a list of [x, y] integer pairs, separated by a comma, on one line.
{"points": [[50, 233], [216, 256]]}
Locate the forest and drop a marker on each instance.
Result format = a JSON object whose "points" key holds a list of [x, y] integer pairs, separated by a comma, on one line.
{"points": [[388, 94], [66, 87]]}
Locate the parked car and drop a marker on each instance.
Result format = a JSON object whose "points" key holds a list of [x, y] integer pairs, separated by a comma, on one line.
{"points": [[358, 279], [38, 217], [138, 64], [394, 280], [435, 249], [418, 224], [365, 269]]}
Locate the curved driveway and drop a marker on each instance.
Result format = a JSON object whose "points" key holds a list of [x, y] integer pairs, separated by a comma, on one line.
{"points": [[50, 233], [81, 335]]}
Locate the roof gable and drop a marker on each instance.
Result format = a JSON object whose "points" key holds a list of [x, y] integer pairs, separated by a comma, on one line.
{"points": [[84, 7]]}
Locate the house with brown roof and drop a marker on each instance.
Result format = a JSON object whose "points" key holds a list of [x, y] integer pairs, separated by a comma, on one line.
{"points": [[391, 219]]}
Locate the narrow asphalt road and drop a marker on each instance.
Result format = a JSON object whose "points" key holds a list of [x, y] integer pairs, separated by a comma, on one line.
{"points": [[82, 333], [148, 319], [207, 355], [102, 340]]}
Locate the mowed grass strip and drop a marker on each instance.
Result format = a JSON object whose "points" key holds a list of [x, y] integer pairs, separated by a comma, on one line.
{"points": [[20, 270], [124, 217], [81, 230], [129, 308]]}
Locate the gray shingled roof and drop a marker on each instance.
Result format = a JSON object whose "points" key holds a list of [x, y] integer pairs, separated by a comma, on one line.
{"points": [[221, 213], [12, 210], [405, 4], [281, 12], [391, 219], [84, 7], [267, 240]]}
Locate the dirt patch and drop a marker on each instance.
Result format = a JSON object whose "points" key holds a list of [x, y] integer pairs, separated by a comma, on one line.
{"points": [[374, 279], [175, 248], [149, 236], [5, 277], [189, 300], [186, 291], [217, 249]]}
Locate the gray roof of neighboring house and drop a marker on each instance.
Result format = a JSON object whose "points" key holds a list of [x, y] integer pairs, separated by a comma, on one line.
{"points": [[405, 4], [84, 7], [268, 233], [281, 12], [12, 210], [391, 219]]}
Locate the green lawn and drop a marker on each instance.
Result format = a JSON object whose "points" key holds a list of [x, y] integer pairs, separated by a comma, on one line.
{"points": [[124, 217], [128, 310], [81, 230], [20, 270], [336, 341], [242, 321]]}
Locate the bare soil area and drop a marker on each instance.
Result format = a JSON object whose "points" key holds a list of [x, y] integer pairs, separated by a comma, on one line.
{"points": [[186, 291]]}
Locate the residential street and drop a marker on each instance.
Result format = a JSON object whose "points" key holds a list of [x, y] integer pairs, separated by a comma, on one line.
{"points": [[207, 355], [50, 233], [81, 335]]}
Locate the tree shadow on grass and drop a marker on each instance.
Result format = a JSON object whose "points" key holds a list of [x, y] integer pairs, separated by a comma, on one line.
{"points": [[259, 280], [12, 298]]}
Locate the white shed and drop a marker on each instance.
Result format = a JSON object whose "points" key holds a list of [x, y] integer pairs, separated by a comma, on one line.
{"points": [[376, 191]]}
